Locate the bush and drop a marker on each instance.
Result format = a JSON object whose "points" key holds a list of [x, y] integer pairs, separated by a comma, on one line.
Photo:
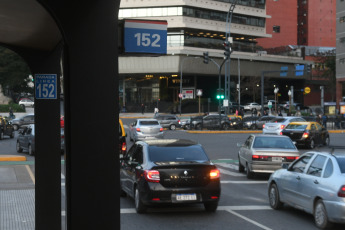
{"points": [[15, 107]]}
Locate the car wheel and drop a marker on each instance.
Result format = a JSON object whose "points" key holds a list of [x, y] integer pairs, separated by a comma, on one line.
{"points": [[12, 134], [320, 215], [253, 127], [240, 166], [274, 199], [211, 206], [225, 126], [198, 127], [187, 127], [1, 135], [16, 127], [327, 141], [139, 206], [250, 174], [312, 144], [18, 148], [31, 152], [173, 127]]}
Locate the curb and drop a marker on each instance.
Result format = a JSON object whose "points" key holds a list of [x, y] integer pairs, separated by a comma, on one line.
{"points": [[238, 131], [12, 158]]}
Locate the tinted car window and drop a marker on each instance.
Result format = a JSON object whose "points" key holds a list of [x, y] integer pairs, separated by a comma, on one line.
{"points": [[172, 153], [328, 169], [295, 126], [341, 162], [273, 142], [278, 120], [149, 123], [299, 166], [315, 168]]}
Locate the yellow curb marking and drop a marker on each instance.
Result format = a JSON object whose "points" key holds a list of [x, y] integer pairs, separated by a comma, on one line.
{"points": [[30, 173], [12, 158]]}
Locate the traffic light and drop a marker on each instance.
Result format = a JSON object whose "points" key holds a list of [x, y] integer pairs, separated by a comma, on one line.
{"points": [[308, 68], [220, 94], [227, 49], [206, 58]]}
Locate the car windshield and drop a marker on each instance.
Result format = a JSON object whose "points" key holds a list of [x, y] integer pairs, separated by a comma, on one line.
{"points": [[148, 123], [296, 126], [273, 142], [278, 120], [177, 154]]}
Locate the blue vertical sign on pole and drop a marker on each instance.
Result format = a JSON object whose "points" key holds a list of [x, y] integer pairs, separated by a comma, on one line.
{"points": [[145, 36], [45, 86], [283, 71], [299, 70]]}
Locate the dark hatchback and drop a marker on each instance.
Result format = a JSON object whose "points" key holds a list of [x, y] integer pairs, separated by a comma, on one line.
{"points": [[308, 134], [169, 171]]}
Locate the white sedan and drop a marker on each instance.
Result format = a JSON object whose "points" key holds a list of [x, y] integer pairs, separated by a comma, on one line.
{"points": [[251, 106], [26, 102]]}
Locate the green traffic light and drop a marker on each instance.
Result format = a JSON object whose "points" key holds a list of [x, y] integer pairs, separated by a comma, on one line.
{"points": [[222, 96], [218, 96]]}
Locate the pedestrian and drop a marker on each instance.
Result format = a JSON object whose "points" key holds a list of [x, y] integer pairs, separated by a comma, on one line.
{"points": [[265, 113], [142, 108], [236, 112], [280, 113], [11, 113], [242, 112], [338, 120], [324, 120], [255, 112], [318, 119], [156, 111]]}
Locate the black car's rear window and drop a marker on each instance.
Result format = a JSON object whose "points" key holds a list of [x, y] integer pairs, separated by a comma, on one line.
{"points": [[177, 154], [341, 162], [149, 123], [296, 126]]}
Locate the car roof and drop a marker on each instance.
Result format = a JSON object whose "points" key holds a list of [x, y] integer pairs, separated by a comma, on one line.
{"points": [[170, 142], [147, 119], [269, 135]]}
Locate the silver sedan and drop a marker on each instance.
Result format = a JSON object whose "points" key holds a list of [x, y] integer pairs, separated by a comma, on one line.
{"points": [[144, 129], [314, 183], [265, 154]]}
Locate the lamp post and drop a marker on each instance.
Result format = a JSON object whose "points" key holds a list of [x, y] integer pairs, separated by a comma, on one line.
{"points": [[289, 93], [180, 95], [275, 93]]}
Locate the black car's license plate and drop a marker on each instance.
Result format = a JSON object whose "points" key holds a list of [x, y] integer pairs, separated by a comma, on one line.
{"points": [[184, 197]]}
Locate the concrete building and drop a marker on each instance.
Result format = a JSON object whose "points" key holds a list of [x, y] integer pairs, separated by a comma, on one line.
{"points": [[340, 56], [193, 28]]}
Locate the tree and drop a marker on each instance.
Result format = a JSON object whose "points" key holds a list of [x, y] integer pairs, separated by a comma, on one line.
{"points": [[326, 69], [14, 73]]}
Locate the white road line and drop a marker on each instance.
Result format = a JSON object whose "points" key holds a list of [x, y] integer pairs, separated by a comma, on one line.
{"points": [[230, 166], [223, 171], [242, 182], [62, 176], [249, 220]]}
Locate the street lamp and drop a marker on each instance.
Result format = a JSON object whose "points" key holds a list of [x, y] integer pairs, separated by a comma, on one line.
{"points": [[275, 93], [289, 93]]}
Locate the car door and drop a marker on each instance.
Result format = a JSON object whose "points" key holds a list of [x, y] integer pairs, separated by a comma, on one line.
{"points": [[28, 120], [245, 151], [125, 169], [290, 182], [311, 181], [208, 122], [21, 137], [322, 133], [134, 163], [315, 134]]}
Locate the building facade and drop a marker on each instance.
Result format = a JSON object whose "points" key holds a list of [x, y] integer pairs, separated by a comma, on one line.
{"points": [[340, 56], [195, 27]]}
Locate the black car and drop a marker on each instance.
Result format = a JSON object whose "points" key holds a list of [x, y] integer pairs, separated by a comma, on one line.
{"points": [[236, 123], [214, 121], [168, 121], [250, 122], [169, 171], [308, 134]]}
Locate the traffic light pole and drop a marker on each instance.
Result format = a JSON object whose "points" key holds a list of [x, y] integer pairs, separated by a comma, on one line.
{"points": [[219, 77]]}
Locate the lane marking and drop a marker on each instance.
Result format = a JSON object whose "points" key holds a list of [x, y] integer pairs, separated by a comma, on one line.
{"points": [[243, 182], [30, 173], [249, 220], [223, 171], [230, 166], [62, 176]]}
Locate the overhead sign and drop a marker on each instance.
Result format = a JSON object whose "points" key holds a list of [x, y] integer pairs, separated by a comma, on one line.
{"points": [[283, 71], [145, 36], [45, 86], [299, 70]]}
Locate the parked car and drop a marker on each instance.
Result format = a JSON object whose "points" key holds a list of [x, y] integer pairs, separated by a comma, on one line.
{"points": [[251, 106], [314, 183], [168, 121], [213, 121], [143, 129], [276, 125], [265, 154], [26, 102], [6, 128], [24, 120], [185, 123], [26, 139], [169, 171], [308, 134], [250, 122], [263, 120], [122, 139], [236, 123]]}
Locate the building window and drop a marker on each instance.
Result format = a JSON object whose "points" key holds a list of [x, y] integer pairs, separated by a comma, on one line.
{"points": [[276, 29], [342, 40], [342, 61], [342, 19]]}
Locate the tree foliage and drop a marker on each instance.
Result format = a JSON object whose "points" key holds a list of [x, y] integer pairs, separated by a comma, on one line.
{"points": [[326, 69], [14, 73]]}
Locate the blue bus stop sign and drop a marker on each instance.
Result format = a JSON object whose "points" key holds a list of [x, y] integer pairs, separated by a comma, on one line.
{"points": [[45, 86], [299, 70], [145, 36], [283, 71]]}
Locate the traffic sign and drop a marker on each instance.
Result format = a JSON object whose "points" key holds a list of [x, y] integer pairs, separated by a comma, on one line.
{"points": [[269, 104], [199, 92], [45, 86], [145, 36], [307, 90], [180, 95]]}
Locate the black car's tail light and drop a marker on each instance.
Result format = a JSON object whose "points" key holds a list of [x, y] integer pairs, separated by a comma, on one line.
{"points": [[281, 133], [341, 192], [161, 130], [124, 146], [214, 174], [305, 135], [152, 176]]}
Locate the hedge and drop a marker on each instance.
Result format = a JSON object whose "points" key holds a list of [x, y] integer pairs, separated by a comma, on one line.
{"points": [[15, 107]]}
